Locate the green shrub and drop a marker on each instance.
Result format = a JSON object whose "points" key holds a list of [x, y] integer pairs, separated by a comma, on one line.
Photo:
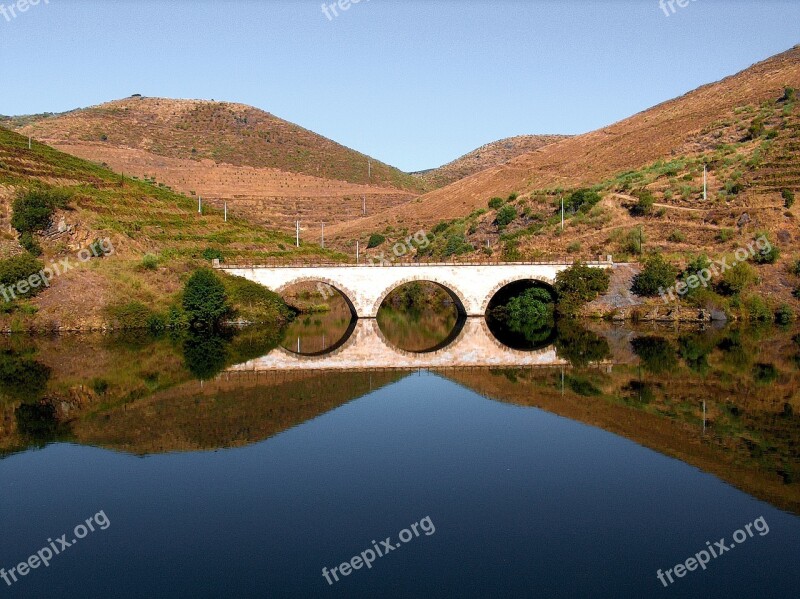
{"points": [[657, 274], [736, 279], [33, 211], [204, 299], [456, 245], [495, 203], [582, 199], [513, 196], [676, 236], [149, 262], [788, 197], [215, 254], [532, 310], [789, 94], [645, 204], [17, 269], [734, 188], [375, 240], [725, 235], [794, 268], [784, 314], [28, 241], [129, 315], [578, 285], [756, 128], [440, 227], [769, 255], [506, 215], [757, 309]]}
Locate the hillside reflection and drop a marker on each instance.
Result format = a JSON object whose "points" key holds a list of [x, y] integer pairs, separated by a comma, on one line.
{"points": [[723, 400]]}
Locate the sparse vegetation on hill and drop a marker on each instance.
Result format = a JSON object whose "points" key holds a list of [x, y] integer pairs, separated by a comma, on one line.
{"points": [[137, 217], [224, 132], [493, 154]]}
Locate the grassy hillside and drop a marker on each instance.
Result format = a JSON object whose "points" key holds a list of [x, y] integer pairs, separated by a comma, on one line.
{"points": [[223, 132], [138, 218], [681, 128]]}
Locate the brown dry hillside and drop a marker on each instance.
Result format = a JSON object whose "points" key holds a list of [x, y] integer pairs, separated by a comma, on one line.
{"points": [[671, 129], [267, 169], [487, 156]]}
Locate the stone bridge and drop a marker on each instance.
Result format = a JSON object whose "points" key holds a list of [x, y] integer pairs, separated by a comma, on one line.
{"points": [[472, 286]]}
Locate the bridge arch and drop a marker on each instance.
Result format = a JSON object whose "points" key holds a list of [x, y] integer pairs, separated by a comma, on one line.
{"points": [[452, 290], [546, 281], [347, 294]]}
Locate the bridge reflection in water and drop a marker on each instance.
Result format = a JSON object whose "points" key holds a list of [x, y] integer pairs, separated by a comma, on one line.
{"points": [[367, 348]]}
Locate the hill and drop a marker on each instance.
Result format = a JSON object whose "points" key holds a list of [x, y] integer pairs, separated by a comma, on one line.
{"points": [[487, 156], [138, 218], [744, 129], [687, 126], [266, 168]]}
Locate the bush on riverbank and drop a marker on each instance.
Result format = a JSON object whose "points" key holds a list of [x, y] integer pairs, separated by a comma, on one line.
{"points": [[205, 300], [578, 285]]}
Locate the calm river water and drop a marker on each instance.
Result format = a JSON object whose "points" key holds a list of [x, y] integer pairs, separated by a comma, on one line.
{"points": [[252, 464]]}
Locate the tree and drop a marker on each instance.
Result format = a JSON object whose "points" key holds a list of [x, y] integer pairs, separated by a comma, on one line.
{"points": [[204, 298], [578, 285], [506, 215], [582, 199], [788, 197], [375, 240], [657, 275]]}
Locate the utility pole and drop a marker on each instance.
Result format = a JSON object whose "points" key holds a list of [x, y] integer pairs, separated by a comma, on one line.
{"points": [[369, 169], [226, 211], [297, 233], [358, 253], [562, 213], [364, 205], [29, 142], [200, 204]]}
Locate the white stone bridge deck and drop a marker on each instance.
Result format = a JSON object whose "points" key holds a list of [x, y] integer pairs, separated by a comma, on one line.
{"points": [[471, 285]]}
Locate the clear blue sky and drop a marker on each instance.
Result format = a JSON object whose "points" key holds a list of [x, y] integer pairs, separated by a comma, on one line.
{"points": [[414, 83]]}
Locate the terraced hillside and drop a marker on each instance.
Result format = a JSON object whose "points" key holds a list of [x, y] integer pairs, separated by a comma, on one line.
{"points": [[267, 169], [139, 218]]}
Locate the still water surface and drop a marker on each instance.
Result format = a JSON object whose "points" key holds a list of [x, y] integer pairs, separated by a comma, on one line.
{"points": [[576, 479]]}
